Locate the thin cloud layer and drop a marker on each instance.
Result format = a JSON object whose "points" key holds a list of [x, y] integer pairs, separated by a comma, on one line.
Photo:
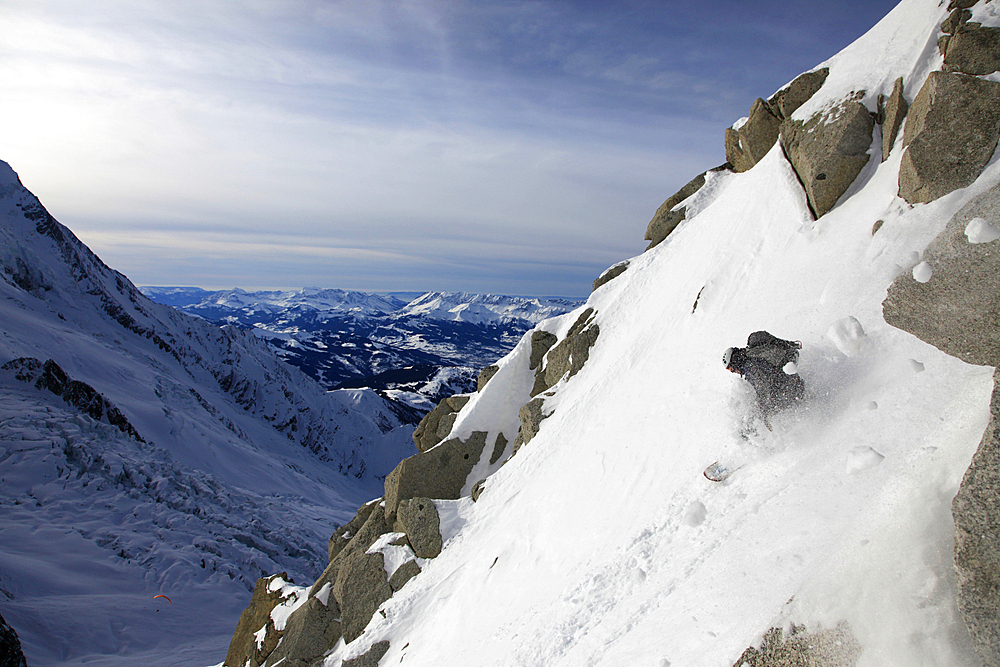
{"points": [[515, 147]]}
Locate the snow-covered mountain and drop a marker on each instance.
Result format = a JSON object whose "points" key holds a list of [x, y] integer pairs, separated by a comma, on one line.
{"points": [[144, 451], [595, 539], [436, 342]]}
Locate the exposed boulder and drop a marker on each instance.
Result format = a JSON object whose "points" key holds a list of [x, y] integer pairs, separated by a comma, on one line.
{"points": [[370, 657], [748, 144], [531, 417], [958, 309], [485, 375], [247, 647], [826, 648], [11, 654], [976, 510], [951, 134], [893, 111], [373, 528], [310, 632], [973, 49], [784, 102], [403, 574], [955, 21], [569, 355], [666, 219], [418, 518], [436, 424], [499, 447], [610, 274], [343, 535], [437, 473], [361, 587], [541, 342], [828, 151]]}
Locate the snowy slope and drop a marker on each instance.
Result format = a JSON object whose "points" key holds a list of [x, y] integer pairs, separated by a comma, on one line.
{"points": [[240, 464], [601, 543]]}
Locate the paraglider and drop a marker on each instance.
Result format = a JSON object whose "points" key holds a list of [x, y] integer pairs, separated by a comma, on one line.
{"points": [[162, 596]]}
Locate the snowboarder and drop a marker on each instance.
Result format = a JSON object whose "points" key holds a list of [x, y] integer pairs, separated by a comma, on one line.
{"points": [[763, 363]]}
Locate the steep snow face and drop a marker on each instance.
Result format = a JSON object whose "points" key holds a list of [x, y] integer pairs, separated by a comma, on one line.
{"points": [[244, 465], [601, 543]]}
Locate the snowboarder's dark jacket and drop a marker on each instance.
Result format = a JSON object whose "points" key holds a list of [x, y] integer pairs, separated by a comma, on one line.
{"points": [[761, 363]]}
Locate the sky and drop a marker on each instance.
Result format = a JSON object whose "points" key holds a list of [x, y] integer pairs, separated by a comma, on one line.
{"points": [[514, 147]]}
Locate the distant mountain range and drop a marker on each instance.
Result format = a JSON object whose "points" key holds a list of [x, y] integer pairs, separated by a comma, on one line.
{"points": [[418, 347]]}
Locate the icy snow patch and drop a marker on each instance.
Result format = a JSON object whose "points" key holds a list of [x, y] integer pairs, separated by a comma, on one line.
{"points": [[298, 595], [847, 334], [979, 230], [323, 594]]}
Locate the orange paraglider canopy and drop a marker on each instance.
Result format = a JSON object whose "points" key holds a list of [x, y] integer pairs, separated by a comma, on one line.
{"points": [[162, 596]]}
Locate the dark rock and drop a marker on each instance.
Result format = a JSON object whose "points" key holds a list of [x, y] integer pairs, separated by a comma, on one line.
{"points": [[784, 102], [11, 654], [892, 117], [310, 631], [951, 134], [437, 473], [499, 447], [477, 489], [343, 535], [961, 4], [746, 146], [973, 49], [403, 574], [666, 219], [436, 424], [976, 510], [541, 341], [485, 375], [244, 649], [610, 274], [374, 527], [827, 648], [955, 21], [828, 151], [531, 416], [361, 587], [569, 355], [958, 309], [370, 658], [418, 518]]}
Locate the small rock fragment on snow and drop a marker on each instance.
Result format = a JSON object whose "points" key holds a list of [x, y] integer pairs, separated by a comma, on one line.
{"points": [[922, 272], [979, 230]]}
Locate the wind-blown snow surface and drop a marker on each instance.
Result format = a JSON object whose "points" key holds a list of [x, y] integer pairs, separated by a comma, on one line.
{"points": [[244, 465], [601, 543]]}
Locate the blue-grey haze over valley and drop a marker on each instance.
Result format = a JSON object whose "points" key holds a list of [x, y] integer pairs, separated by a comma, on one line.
{"points": [[504, 147]]}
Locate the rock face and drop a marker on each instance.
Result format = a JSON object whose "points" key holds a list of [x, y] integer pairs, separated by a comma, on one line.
{"points": [[827, 648], [828, 151], [310, 631], [893, 111], [958, 309], [10, 647], [612, 273], [666, 218], [245, 648], [343, 535], [361, 587], [437, 473], [485, 375], [370, 657], [970, 48], [747, 145], [976, 510], [418, 518], [436, 424], [531, 416], [566, 357], [950, 137]]}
